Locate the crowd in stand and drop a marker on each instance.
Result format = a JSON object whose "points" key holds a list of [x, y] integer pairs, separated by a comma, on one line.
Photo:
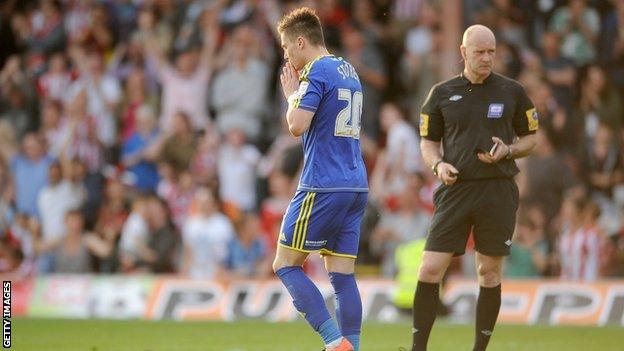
{"points": [[147, 136]]}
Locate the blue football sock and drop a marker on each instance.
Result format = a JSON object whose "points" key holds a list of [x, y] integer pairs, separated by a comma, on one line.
{"points": [[348, 306], [308, 300], [354, 340]]}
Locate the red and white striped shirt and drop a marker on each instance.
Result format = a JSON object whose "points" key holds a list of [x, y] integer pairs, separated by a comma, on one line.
{"points": [[579, 251]]}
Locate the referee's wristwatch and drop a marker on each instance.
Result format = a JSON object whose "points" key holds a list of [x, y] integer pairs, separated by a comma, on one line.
{"points": [[509, 155], [434, 168]]}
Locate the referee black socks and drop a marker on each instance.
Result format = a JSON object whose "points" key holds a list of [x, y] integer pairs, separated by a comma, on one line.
{"points": [[426, 302], [488, 306]]}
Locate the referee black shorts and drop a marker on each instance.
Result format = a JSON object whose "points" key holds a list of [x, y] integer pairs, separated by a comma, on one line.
{"points": [[487, 207]]}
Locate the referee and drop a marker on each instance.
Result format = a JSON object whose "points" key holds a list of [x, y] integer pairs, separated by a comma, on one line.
{"points": [[483, 121]]}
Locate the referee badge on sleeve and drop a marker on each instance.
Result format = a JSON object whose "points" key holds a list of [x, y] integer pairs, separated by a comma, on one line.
{"points": [[424, 124], [532, 118]]}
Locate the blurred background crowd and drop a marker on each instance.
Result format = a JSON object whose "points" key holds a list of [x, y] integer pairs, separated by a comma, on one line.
{"points": [[147, 136]]}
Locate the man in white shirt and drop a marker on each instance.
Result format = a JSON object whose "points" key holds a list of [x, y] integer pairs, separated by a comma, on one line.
{"points": [[401, 156], [240, 87], [54, 201], [205, 236], [237, 168], [402, 146], [103, 95], [134, 235]]}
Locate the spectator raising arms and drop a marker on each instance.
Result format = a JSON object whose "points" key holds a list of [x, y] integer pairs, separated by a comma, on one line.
{"points": [[185, 86]]}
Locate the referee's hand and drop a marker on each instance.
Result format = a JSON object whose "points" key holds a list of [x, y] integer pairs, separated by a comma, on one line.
{"points": [[447, 173], [501, 151]]}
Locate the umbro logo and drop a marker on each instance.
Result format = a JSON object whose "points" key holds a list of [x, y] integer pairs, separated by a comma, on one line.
{"points": [[414, 330], [486, 332], [508, 242], [455, 97]]}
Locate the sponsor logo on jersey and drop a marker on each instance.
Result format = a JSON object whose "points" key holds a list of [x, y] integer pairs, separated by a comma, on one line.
{"points": [[455, 97]]}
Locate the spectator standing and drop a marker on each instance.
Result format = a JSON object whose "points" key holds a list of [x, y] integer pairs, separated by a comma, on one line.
{"points": [[110, 222], [136, 95], [559, 72], [579, 26], [247, 251], [17, 96], [598, 102], [238, 163], [44, 34], [579, 246], [30, 173], [603, 161], [80, 135], [161, 243], [177, 144], [185, 86], [240, 88], [103, 96], [134, 235], [205, 236], [74, 255], [401, 156], [55, 200], [135, 157], [204, 166], [52, 125], [55, 82], [368, 62]]}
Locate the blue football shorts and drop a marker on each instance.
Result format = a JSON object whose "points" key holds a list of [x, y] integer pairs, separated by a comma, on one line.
{"points": [[325, 222]]}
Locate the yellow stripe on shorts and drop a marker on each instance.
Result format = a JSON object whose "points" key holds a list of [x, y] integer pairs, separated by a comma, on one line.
{"points": [[299, 220], [306, 221]]}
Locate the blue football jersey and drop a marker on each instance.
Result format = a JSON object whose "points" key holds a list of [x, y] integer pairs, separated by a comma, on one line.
{"points": [[330, 87]]}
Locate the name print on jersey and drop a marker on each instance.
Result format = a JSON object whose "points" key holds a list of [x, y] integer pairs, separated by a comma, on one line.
{"points": [[346, 70]]}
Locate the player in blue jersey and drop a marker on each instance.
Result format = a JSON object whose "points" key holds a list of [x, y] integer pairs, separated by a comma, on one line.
{"points": [[324, 107]]}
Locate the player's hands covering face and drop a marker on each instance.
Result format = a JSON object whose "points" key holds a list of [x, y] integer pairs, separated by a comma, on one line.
{"points": [[289, 79]]}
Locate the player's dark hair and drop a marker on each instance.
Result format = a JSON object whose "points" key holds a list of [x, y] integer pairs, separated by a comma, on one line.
{"points": [[302, 22]]}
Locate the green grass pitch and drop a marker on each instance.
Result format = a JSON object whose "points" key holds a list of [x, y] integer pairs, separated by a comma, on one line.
{"points": [[105, 335]]}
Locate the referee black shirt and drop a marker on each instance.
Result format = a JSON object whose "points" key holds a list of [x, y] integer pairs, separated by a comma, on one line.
{"points": [[466, 116]]}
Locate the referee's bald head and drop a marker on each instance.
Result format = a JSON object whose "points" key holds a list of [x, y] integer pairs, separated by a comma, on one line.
{"points": [[478, 50], [478, 33]]}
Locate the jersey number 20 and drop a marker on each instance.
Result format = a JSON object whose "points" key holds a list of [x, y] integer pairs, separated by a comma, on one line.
{"points": [[349, 118]]}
